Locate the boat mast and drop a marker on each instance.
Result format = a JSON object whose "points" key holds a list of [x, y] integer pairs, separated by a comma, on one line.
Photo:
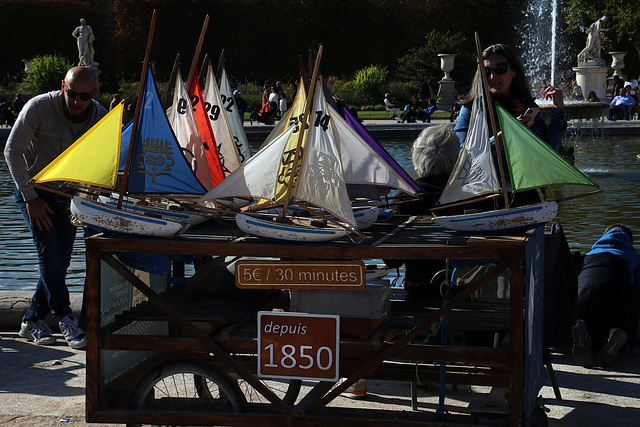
{"points": [[172, 80], [134, 127], [303, 130], [220, 66], [492, 120], [194, 62]]}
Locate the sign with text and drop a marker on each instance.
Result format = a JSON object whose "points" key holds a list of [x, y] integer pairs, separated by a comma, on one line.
{"points": [[298, 346], [274, 274]]}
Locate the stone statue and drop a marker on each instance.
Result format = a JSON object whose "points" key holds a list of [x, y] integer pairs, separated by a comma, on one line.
{"points": [[591, 53], [84, 36]]}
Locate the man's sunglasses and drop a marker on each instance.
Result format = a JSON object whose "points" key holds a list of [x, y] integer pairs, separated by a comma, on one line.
{"points": [[498, 70], [73, 94]]}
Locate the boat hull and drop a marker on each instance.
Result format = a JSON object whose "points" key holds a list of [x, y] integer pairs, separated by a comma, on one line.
{"points": [[165, 211], [268, 228], [109, 219], [503, 221]]}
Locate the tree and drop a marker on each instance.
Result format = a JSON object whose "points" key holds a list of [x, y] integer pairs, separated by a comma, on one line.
{"points": [[424, 61]]}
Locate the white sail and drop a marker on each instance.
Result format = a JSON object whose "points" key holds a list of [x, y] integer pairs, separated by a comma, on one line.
{"points": [[360, 162], [235, 121], [257, 177], [474, 173], [321, 181], [184, 125], [220, 122]]}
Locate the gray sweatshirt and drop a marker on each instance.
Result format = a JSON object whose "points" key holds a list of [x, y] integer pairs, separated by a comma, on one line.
{"points": [[41, 132]]}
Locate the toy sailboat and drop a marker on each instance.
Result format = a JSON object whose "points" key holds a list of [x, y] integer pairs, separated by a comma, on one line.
{"points": [[531, 162], [156, 165], [307, 165]]}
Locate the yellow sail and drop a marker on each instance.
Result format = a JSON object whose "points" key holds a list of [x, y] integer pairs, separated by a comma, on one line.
{"points": [[93, 159], [288, 174]]}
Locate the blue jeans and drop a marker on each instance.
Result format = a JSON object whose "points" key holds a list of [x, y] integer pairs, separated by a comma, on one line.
{"points": [[54, 256]]}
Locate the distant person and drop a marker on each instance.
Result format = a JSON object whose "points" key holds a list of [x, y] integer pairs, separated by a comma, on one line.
{"points": [[265, 98], [412, 111], [621, 105], [115, 101], [576, 92], [18, 104], [241, 104], [47, 125], [273, 96], [608, 299], [426, 91], [632, 84], [268, 116], [618, 84], [5, 113], [431, 108], [282, 105], [389, 106], [592, 97]]}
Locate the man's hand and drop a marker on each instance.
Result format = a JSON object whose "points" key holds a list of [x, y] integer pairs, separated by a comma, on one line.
{"points": [[39, 211]]}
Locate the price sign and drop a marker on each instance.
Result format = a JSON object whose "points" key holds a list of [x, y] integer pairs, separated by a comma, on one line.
{"points": [[252, 274], [298, 346]]}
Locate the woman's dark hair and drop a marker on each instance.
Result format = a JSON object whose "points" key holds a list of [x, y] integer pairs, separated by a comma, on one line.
{"points": [[520, 88]]}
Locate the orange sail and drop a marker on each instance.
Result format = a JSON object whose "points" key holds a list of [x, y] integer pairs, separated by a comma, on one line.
{"points": [[215, 162]]}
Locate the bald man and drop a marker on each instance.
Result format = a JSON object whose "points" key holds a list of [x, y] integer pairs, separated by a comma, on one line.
{"points": [[46, 126]]}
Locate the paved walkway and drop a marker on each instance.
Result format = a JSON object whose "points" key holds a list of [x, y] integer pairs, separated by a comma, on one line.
{"points": [[41, 386]]}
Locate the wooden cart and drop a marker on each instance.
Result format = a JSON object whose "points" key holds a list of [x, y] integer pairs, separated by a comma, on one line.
{"points": [[216, 339]]}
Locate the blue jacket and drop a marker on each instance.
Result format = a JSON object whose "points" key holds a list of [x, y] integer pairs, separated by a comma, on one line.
{"points": [[617, 242], [551, 134]]}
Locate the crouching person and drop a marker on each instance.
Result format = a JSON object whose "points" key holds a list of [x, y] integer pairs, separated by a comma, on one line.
{"points": [[608, 299]]}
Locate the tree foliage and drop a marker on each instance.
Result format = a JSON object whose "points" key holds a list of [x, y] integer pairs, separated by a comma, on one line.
{"points": [[369, 82], [47, 72]]}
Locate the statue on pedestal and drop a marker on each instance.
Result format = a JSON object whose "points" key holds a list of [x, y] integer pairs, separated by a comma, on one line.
{"points": [[590, 55], [84, 36]]}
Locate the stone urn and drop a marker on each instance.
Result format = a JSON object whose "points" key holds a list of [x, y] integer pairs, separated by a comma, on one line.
{"points": [[617, 62], [446, 64]]}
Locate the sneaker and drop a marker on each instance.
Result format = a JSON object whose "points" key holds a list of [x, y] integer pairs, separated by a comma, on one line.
{"points": [[608, 353], [38, 332], [357, 390], [581, 351], [74, 336]]}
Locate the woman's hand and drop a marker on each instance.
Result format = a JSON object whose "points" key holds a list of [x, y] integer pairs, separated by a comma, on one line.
{"points": [[555, 95], [528, 117]]}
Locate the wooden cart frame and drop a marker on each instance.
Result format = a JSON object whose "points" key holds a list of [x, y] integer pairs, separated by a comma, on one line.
{"points": [[401, 238]]}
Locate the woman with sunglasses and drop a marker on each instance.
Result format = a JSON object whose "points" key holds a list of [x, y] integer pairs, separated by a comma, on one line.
{"points": [[509, 87], [46, 126]]}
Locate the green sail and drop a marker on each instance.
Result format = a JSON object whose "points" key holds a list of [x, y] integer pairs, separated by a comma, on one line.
{"points": [[532, 162]]}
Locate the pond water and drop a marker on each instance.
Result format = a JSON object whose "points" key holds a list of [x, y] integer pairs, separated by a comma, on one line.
{"points": [[609, 160]]}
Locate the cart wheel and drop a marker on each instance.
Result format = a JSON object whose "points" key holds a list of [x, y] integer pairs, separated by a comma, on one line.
{"points": [[287, 390], [538, 418], [187, 385]]}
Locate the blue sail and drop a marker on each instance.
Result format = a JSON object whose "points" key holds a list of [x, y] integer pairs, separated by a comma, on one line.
{"points": [[158, 165], [124, 144]]}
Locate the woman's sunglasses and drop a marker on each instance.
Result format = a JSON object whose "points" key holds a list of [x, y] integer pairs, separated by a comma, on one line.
{"points": [[73, 94], [498, 70]]}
